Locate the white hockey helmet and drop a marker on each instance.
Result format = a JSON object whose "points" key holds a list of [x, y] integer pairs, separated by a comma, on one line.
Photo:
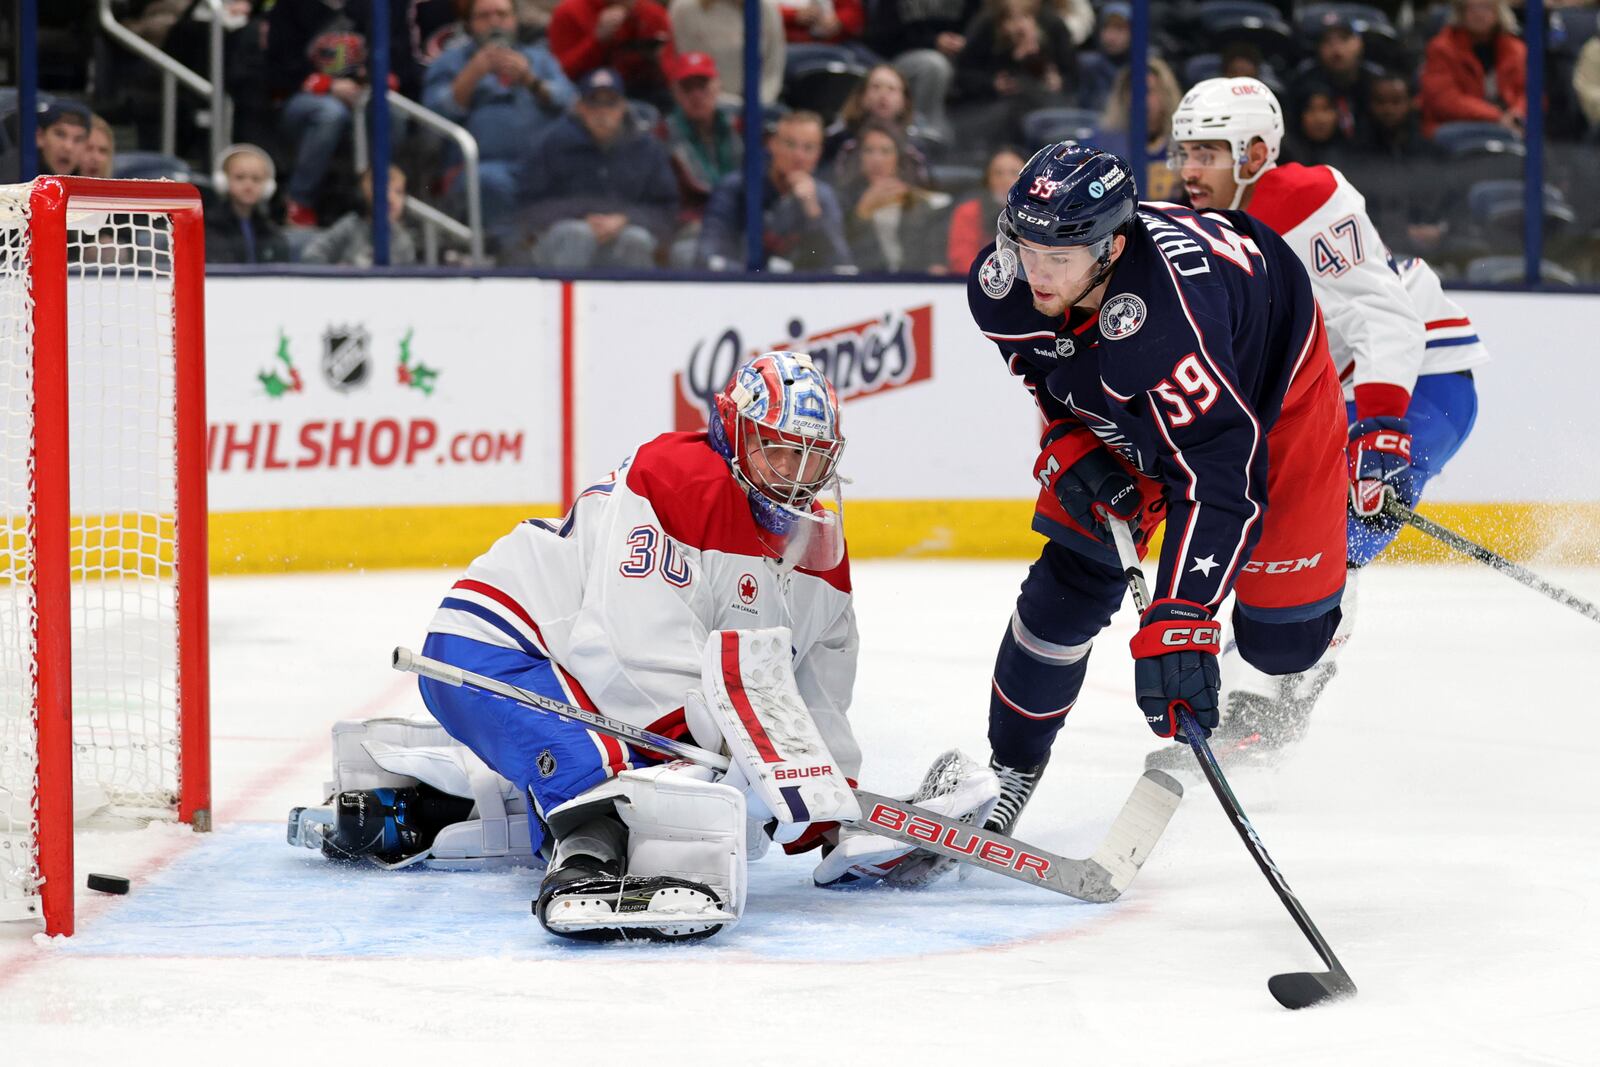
{"points": [[1235, 110]]}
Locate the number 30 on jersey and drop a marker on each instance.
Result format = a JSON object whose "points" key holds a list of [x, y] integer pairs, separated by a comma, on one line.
{"points": [[648, 547]]}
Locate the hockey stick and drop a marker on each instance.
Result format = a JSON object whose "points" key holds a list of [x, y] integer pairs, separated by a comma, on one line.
{"points": [[1396, 510], [1296, 989], [1099, 879]]}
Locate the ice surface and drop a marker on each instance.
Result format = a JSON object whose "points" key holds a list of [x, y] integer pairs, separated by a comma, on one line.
{"points": [[1439, 824]]}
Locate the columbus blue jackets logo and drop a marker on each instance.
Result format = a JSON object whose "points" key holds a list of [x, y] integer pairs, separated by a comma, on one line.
{"points": [[1121, 316], [997, 273]]}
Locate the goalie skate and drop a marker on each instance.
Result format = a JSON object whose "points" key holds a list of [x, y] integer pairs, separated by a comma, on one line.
{"points": [[658, 908]]}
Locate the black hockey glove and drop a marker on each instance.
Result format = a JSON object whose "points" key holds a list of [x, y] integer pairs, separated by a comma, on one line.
{"points": [[1175, 666]]}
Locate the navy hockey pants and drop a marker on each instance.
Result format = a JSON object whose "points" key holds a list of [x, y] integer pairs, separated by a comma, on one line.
{"points": [[1067, 599]]}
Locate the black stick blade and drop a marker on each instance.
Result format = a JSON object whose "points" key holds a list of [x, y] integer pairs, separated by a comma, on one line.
{"points": [[1302, 989]]}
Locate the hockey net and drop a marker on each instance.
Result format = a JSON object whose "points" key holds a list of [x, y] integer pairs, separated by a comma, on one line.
{"points": [[103, 703]]}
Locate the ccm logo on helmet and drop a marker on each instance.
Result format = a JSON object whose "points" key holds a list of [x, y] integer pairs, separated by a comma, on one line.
{"points": [[961, 839], [1282, 566], [1183, 636], [783, 774]]}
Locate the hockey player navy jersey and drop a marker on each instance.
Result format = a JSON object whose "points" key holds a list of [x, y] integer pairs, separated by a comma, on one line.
{"points": [[1207, 323]]}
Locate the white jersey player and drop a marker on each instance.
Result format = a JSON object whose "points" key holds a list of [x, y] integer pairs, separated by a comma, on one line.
{"points": [[610, 609], [1404, 351]]}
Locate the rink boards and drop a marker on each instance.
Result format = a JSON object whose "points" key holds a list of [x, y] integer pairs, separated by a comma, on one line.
{"points": [[373, 422]]}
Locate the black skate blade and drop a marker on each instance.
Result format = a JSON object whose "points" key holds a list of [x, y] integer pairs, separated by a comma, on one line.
{"points": [[1304, 989]]}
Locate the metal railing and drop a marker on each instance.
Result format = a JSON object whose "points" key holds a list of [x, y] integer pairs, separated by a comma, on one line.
{"points": [[174, 73], [434, 220]]}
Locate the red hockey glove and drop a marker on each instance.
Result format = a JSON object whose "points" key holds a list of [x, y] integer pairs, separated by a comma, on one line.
{"points": [[1175, 666]]}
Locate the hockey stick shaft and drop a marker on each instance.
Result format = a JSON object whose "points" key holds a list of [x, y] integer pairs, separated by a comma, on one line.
{"points": [[1143, 818], [1129, 557], [1467, 547]]}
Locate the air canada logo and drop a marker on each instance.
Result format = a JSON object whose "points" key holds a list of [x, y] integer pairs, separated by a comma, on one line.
{"points": [[1121, 317], [861, 359], [346, 356], [748, 588]]}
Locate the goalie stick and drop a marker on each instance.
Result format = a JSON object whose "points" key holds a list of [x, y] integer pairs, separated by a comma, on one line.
{"points": [[1396, 510], [1099, 879], [1297, 989]]}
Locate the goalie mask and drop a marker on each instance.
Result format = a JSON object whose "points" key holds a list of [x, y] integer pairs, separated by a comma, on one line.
{"points": [[1068, 196], [777, 424]]}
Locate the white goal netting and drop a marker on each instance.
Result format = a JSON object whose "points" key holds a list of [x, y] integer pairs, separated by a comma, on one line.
{"points": [[121, 422]]}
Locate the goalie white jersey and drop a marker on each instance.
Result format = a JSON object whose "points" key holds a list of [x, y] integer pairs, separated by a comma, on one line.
{"points": [[622, 593], [1389, 322]]}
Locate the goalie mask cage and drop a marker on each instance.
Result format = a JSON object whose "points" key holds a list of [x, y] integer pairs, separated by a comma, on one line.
{"points": [[103, 654]]}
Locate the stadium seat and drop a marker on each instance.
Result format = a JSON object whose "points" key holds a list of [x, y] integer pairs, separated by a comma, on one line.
{"points": [[1269, 34], [1384, 45], [1570, 27], [151, 165], [1467, 140], [820, 77], [1050, 124], [956, 178], [1496, 209], [1511, 270]]}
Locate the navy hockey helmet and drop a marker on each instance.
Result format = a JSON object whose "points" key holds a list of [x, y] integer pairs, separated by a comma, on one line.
{"points": [[1069, 194]]}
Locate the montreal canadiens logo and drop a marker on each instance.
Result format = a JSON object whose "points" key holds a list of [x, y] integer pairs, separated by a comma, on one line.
{"points": [[997, 273], [1121, 317], [748, 588]]}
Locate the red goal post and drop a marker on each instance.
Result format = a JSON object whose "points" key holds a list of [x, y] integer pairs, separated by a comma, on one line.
{"points": [[104, 683]]}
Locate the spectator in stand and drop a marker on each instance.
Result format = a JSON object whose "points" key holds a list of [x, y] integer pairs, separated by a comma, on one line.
{"points": [[879, 97], [1338, 70], [60, 135], [317, 65], [1241, 59], [599, 192], [238, 228], [632, 37], [507, 95], [1586, 83], [890, 223], [803, 225], [1161, 100], [348, 242], [1395, 133], [244, 44], [1018, 58], [972, 223], [704, 142], [822, 21], [716, 27], [1399, 171], [1475, 69], [97, 160], [1315, 134], [1100, 67], [923, 39]]}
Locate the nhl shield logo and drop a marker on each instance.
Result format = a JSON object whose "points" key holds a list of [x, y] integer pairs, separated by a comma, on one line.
{"points": [[346, 357], [546, 764], [997, 273], [1065, 347], [1121, 317]]}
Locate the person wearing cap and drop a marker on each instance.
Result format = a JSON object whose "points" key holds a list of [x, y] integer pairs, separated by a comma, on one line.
{"points": [[238, 228], [598, 192], [631, 37], [1340, 69], [716, 27], [506, 94], [62, 132], [704, 142]]}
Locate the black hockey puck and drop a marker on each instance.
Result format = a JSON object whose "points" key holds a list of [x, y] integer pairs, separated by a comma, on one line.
{"points": [[108, 883]]}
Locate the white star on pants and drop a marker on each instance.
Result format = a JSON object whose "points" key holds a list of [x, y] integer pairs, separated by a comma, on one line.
{"points": [[1204, 566]]}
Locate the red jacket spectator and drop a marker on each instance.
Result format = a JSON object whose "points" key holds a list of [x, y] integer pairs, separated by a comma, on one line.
{"points": [[801, 20], [637, 48], [1453, 82]]}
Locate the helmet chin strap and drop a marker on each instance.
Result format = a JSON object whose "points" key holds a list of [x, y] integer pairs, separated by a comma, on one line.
{"points": [[1241, 183], [1101, 273]]}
